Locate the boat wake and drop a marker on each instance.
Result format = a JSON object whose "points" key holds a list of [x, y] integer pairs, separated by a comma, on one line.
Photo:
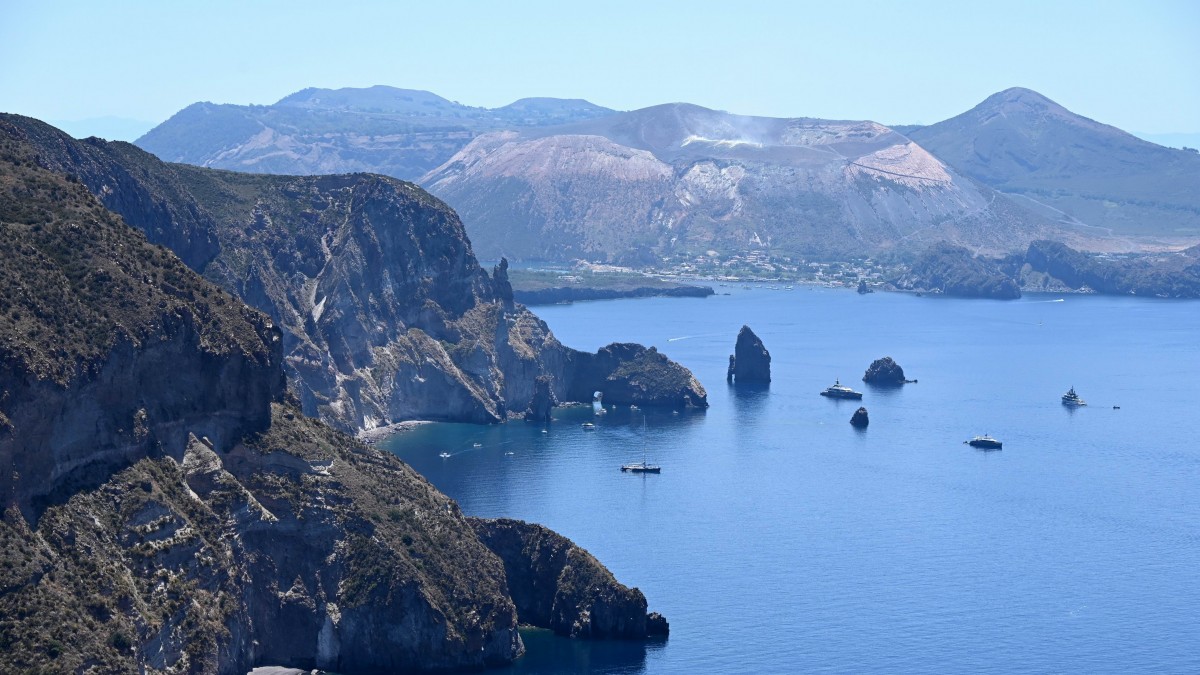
{"points": [[689, 337]]}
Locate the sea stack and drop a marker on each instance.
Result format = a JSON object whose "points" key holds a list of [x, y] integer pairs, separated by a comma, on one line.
{"points": [[750, 361], [885, 372], [860, 419], [543, 401]]}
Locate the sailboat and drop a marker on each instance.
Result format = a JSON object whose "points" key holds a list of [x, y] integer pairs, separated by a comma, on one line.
{"points": [[643, 466]]}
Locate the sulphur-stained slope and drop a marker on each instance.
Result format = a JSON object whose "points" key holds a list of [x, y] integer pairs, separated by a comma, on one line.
{"points": [[679, 179]]}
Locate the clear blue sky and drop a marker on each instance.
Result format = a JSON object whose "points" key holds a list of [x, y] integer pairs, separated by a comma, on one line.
{"points": [[1132, 64]]}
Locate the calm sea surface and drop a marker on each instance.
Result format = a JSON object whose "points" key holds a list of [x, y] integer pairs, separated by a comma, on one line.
{"points": [[780, 539]]}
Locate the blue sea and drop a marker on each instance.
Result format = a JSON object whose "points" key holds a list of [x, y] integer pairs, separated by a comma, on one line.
{"points": [[779, 539]]}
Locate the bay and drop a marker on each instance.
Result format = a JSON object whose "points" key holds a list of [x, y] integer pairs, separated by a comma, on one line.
{"points": [[778, 538]]}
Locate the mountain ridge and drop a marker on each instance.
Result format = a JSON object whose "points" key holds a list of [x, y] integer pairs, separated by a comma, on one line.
{"points": [[680, 179], [398, 132], [1070, 166]]}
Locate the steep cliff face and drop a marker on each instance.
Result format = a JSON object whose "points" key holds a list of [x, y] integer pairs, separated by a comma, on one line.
{"points": [[557, 585], [110, 348], [385, 313], [167, 510], [750, 361], [296, 547]]}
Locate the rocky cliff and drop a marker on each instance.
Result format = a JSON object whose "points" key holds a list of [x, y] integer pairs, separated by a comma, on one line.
{"points": [[167, 510], [750, 361], [385, 313], [950, 270], [91, 308], [1052, 266], [557, 585]]}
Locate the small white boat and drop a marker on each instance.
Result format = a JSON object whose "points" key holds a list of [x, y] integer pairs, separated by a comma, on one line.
{"points": [[477, 445], [642, 466], [444, 455], [588, 426]]}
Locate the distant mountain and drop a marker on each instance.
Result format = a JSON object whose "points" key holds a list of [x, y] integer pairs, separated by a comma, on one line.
{"points": [[681, 179], [397, 132], [1070, 167]]}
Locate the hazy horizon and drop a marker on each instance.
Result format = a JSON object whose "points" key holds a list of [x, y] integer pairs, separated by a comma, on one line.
{"points": [[1136, 67]]}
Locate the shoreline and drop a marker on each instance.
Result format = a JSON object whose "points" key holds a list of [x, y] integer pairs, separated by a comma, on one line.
{"points": [[373, 436]]}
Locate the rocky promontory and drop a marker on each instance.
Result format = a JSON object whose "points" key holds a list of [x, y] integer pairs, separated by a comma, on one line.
{"points": [[627, 373], [750, 361], [168, 506], [885, 372], [384, 313], [946, 269], [559, 586]]}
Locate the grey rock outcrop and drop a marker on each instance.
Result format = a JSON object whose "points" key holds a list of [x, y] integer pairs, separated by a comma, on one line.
{"points": [[625, 373], [860, 419], [884, 372], [559, 586], [750, 361], [543, 401]]}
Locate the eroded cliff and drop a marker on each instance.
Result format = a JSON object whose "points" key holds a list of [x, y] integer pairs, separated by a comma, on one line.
{"points": [[168, 509], [384, 311], [557, 585]]}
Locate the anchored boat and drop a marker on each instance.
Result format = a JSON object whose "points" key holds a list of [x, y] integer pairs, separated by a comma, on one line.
{"points": [[642, 466], [839, 390], [1072, 400], [986, 442]]}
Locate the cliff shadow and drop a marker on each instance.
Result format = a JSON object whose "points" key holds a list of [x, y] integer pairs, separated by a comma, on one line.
{"points": [[884, 390], [749, 398], [547, 654]]}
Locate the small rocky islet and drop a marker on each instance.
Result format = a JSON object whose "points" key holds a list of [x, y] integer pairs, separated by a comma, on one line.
{"points": [[750, 362]]}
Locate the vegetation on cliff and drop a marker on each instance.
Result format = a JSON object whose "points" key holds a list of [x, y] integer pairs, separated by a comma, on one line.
{"points": [[952, 270], [385, 313], [544, 287], [558, 585], [167, 508], [77, 280], [1053, 266]]}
